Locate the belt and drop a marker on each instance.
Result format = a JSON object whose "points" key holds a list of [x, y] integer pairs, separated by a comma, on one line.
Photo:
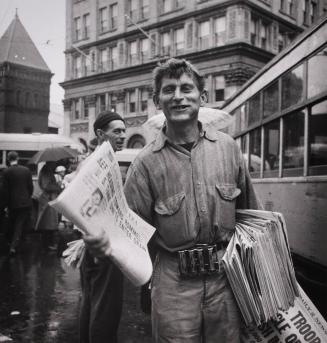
{"points": [[202, 259]]}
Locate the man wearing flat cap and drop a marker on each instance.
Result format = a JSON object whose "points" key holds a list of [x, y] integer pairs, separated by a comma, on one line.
{"points": [[102, 281]]}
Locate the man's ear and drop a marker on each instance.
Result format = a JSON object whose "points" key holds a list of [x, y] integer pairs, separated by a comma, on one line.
{"points": [[204, 97], [156, 101]]}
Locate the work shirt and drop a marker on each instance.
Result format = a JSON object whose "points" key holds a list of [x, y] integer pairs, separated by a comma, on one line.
{"points": [[190, 196]]}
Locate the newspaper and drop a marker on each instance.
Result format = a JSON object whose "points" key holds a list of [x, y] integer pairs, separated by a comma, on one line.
{"points": [[259, 267], [301, 323], [95, 202]]}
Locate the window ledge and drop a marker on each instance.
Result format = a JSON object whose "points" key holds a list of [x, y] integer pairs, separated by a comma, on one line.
{"points": [[172, 11], [286, 14], [108, 31]]}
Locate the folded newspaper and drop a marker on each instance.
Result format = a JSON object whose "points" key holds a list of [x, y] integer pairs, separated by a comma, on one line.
{"points": [[259, 267], [95, 202]]}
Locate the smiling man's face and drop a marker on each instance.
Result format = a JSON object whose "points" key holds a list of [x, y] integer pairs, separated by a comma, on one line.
{"points": [[180, 99]]}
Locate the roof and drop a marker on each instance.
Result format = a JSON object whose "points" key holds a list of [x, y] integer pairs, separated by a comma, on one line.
{"points": [[16, 46]]}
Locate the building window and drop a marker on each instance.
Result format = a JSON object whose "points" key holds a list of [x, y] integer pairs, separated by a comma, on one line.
{"points": [[144, 9], [264, 36], [113, 102], [133, 53], [167, 5], [165, 44], [102, 102], [86, 108], [220, 31], [313, 11], [305, 12], [103, 59], [132, 101], [77, 66], [132, 7], [86, 26], [113, 16], [76, 109], [254, 31], [219, 88], [179, 41], [144, 100], [36, 100], [87, 65], [77, 29], [113, 56], [179, 3], [204, 34], [290, 8], [18, 98], [103, 13], [144, 49]]}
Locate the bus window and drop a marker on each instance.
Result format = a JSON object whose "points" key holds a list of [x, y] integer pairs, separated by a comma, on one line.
{"points": [[317, 66], [270, 100], [255, 152], [271, 149], [318, 139], [293, 156], [254, 109], [292, 87], [243, 116]]}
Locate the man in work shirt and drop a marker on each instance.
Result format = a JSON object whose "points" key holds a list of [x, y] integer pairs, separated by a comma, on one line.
{"points": [[188, 183]]}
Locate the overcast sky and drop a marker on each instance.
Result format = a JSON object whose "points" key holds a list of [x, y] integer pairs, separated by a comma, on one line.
{"points": [[44, 20]]}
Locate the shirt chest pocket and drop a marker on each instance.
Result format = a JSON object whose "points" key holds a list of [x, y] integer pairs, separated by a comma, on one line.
{"points": [[227, 194], [171, 219]]}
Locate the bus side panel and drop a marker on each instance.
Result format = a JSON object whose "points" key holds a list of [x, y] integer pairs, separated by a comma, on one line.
{"points": [[304, 206]]}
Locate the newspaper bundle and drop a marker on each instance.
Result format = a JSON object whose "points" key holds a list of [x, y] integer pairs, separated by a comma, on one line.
{"points": [[259, 267], [301, 323], [95, 202]]}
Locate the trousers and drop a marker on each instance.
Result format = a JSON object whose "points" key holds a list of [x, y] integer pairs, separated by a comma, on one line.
{"points": [[19, 219], [102, 300], [193, 310]]}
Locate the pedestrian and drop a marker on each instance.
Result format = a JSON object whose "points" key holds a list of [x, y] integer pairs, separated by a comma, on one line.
{"points": [[47, 221], [60, 173], [188, 183], [102, 281], [18, 188]]}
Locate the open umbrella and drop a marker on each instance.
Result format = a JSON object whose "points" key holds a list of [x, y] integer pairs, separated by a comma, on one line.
{"points": [[53, 154], [212, 117]]}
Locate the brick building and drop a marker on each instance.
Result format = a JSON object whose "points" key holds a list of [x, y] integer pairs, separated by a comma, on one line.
{"points": [[24, 83], [113, 45]]}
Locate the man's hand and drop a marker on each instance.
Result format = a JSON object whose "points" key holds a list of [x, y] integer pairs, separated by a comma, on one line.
{"points": [[99, 246]]}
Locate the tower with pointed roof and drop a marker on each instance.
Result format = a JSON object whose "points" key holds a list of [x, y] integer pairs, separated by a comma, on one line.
{"points": [[24, 83]]}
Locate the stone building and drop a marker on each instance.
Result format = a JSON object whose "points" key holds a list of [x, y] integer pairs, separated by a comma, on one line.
{"points": [[24, 83], [113, 45]]}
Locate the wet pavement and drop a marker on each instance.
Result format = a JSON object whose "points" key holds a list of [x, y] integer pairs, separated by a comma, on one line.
{"points": [[40, 299]]}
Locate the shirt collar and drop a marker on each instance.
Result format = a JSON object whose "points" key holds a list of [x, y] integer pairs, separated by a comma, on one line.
{"points": [[205, 132]]}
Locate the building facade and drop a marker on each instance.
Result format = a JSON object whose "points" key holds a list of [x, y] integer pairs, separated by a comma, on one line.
{"points": [[24, 83], [112, 47]]}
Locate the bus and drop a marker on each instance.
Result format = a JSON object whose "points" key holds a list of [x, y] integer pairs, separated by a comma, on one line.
{"points": [[280, 124], [28, 144]]}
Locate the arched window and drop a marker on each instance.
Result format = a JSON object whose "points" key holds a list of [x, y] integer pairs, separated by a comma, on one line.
{"points": [[136, 142], [18, 98], [36, 100], [27, 99]]}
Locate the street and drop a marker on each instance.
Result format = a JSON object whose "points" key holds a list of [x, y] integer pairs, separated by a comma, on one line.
{"points": [[39, 297]]}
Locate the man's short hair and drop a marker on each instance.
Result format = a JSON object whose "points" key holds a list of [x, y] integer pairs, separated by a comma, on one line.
{"points": [[175, 68], [104, 118], [12, 156]]}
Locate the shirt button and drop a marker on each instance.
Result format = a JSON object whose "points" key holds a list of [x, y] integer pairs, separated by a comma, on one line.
{"points": [[203, 209]]}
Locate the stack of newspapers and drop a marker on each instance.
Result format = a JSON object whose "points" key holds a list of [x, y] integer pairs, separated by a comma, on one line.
{"points": [[259, 267]]}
